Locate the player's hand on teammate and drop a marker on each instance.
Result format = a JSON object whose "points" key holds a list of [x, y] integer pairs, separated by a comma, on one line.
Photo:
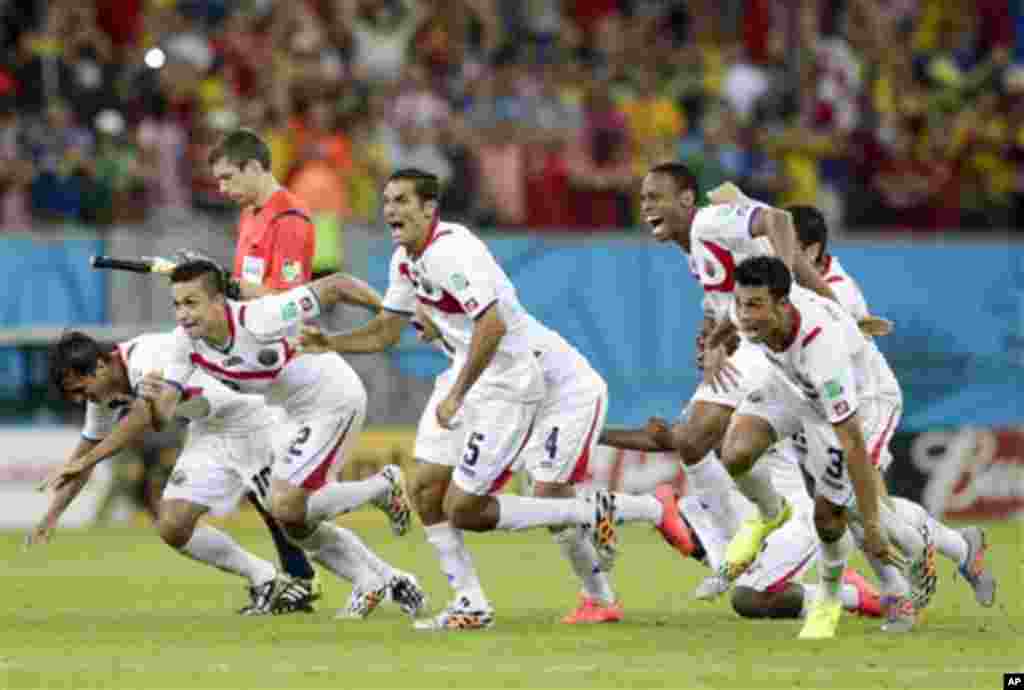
{"points": [[312, 341], [447, 411], [719, 372], [877, 545], [426, 330], [875, 326], [660, 431], [162, 397]]}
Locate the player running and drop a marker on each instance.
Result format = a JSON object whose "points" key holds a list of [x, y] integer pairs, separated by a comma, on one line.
{"points": [[242, 345], [479, 420], [228, 452]]}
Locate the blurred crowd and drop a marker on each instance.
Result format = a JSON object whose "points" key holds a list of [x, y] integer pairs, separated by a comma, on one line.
{"points": [[903, 114]]}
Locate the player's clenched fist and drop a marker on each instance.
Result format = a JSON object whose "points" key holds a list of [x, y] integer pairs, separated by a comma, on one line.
{"points": [[162, 396]]}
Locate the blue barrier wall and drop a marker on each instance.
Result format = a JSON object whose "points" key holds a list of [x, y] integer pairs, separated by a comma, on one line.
{"points": [[46, 284], [632, 308]]}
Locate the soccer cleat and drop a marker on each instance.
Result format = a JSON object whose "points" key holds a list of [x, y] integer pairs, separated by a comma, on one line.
{"points": [[272, 597], [900, 614], [602, 531], [714, 585], [672, 526], [973, 569], [869, 600], [591, 610], [822, 620], [364, 601], [922, 574], [405, 591], [747, 542], [394, 502], [459, 615]]}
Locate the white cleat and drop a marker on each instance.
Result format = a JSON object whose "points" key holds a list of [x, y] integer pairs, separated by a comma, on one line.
{"points": [[461, 614]]}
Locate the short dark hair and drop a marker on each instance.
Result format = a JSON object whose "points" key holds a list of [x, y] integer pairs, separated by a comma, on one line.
{"points": [[682, 175], [765, 271], [240, 147], [810, 226], [210, 274], [74, 353], [426, 185]]}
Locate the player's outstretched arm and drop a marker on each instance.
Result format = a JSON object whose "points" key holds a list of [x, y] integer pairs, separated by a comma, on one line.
{"points": [[138, 421], [655, 437], [777, 226], [42, 532], [381, 333], [346, 289]]}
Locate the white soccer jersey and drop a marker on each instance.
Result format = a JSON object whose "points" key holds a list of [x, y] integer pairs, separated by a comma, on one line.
{"points": [[845, 288], [230, 413], [259, 360], [457, 279], [828, 359], [719, 240]]}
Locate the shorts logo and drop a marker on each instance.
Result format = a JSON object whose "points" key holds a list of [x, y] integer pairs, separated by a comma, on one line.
{"points": [[178, 477], [291, 270], [306, 303], [289, 311], [459, 281], [841, 407], [833, 389]]}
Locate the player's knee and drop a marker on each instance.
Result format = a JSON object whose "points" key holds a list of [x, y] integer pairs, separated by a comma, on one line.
{"points": [[692, 442], [468, 512], [289, 509], [829, 521], [749, 603], [175, 528], [739, 454], [427, 494]]}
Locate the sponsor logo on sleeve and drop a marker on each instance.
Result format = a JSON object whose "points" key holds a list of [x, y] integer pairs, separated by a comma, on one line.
{"points": [[291, 271]]}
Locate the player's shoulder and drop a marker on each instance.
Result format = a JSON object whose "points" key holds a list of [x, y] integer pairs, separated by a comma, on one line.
{"points": [[722, 217], [453, 240]]}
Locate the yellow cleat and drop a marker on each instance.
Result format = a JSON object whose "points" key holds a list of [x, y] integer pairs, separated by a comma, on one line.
{"points": [[745, 546], [822, 620]]}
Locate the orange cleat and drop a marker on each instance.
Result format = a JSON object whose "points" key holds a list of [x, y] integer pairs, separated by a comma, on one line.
{"points": [[672, 526], [591, 610], [870, 600]]}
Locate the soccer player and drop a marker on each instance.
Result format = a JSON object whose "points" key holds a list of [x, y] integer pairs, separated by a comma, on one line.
{"points": [[228, 451], [966, 547], [242, 345], [478, 420], [825, 381]]}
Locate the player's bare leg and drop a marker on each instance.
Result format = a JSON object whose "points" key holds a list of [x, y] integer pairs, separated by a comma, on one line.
{"points": [[469, 607], [836, 544], [598, 603], [343, 553], [747, 440], [178, 526]]}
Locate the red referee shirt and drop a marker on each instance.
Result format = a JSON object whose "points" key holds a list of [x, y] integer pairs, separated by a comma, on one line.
{"points": [[276, 243]]}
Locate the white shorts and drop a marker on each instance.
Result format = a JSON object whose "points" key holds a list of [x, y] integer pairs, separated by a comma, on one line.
{"points": [[216, 471], [753, 367], [565, 437], [821, 456], [786, 555], [315, 448]]}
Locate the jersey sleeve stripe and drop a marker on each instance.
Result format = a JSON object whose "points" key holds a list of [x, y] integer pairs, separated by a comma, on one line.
{"points": [[883, 439], [398, 311], [204, 363], [484, 309], [241, 315], [815, 332]]}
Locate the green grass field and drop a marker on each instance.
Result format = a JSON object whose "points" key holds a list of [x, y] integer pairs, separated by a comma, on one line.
{"points": [[114, 608]]}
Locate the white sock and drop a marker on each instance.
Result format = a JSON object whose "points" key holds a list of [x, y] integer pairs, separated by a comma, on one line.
{"points": [[582, 556], [948, 541], [630, 508], [757, 486], [521, 512], [345, 555], [211, 546], [340, 497], [848, 595], [832, 558], [456, 563], [711, 481]]}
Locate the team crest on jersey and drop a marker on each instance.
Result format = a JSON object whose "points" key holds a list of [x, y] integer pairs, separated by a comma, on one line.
{"points": [[841, 407], [291, 271], [709, 268]]}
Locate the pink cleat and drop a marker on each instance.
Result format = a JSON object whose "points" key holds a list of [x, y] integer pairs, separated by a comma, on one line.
{"points": [[591, 610], [870, 600], [672, 526]]}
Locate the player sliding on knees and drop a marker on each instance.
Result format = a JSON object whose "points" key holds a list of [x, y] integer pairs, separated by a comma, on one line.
{"points": [[242, 344], [228, 452], [510, 377]]}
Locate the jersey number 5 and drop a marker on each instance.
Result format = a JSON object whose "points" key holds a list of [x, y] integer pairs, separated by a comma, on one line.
{"points": [[472, 449]]}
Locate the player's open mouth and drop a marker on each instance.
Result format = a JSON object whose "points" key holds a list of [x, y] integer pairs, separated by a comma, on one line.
{"points": [[655, 221]]}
